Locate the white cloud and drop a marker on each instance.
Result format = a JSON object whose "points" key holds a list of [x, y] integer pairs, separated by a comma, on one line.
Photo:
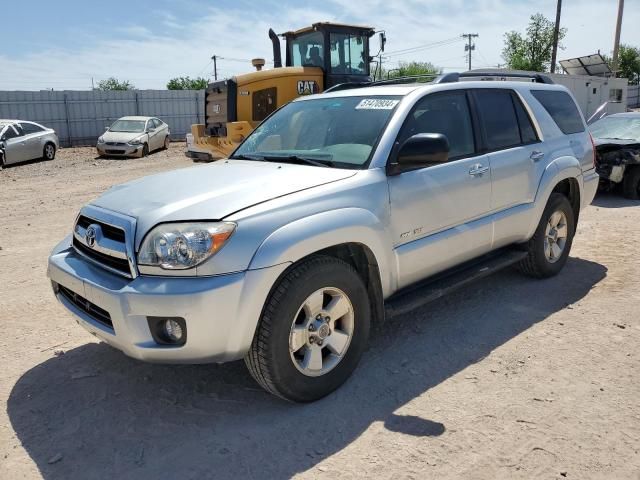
{"points": [[150, 53]]}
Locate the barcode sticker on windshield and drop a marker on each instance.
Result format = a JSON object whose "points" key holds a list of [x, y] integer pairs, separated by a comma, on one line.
{"points": [[376, 104]]}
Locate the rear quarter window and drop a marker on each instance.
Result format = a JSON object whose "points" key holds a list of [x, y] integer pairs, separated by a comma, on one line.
{"points": [[562, 109]]}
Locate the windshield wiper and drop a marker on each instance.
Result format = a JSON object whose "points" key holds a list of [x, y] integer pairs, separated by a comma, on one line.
{"points": [[298, 159]]}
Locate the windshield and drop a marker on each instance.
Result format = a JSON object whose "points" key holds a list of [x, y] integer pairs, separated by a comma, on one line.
{"points": [[341, 132], [132, 126], [307, 50], [627, 128]]}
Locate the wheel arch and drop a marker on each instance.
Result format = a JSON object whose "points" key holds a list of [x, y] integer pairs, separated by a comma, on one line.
{"points": [[354, 235]]}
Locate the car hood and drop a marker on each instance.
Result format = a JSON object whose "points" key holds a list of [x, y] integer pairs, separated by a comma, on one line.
{"points": [[120, 137], [211, 192]]}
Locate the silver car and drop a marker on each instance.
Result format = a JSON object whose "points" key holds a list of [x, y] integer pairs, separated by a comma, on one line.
{"points": [[336, 209], [134, 137], [21, 141]]}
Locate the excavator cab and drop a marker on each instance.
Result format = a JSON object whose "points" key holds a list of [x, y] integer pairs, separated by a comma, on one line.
{"points": [[317, 57]]}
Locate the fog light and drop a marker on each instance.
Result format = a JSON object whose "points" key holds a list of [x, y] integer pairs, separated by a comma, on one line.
{"points": [[173, 330], [168, 330]]}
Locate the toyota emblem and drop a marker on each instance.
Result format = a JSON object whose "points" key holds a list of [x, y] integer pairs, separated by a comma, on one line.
{"points": [[90, 236]]}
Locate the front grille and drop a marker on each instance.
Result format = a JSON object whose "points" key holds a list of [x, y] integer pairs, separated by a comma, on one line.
{"points": [[109, 231], [116, 144], [109, 248], [114, 152], [115, 263], [91, 309]]}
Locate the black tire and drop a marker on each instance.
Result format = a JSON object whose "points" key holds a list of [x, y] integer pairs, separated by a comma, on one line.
{"points": [[631, 183], [536, 264], [49, 151], [167, 141], [145, 150], [269, 360]]}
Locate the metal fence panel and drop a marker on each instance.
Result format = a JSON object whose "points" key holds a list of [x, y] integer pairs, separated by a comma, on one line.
{"points": [[633, 96], [80, 117]]}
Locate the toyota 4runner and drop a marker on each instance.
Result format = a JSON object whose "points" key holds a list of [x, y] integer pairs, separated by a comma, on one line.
{"points": [[336, 209]]}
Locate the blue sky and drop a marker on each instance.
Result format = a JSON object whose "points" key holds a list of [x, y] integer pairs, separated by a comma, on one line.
{"points": [[63, 44]]}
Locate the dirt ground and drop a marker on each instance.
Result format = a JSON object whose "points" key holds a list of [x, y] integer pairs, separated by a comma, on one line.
{"points": [[510, 378]]}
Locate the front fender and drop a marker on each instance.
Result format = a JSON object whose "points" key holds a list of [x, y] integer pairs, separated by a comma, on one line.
{"points": [[560, 169], [308, 235]]}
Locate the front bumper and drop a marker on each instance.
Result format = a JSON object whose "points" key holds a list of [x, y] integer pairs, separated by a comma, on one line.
{"points": [[119, 150], [221, 312]]}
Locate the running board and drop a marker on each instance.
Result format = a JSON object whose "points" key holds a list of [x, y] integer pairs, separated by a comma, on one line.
{"points": [[416, 296]]}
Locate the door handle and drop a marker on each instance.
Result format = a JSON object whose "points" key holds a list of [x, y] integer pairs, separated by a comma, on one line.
{"points": [[536, 155], [477, 170]]}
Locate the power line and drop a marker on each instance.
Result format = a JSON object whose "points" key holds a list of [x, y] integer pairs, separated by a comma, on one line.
{"points": [[418, 48]]}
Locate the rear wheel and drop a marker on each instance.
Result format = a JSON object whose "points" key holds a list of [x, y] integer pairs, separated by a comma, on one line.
{"points": [[313, 331], [631, 183], [49, 151], [549, 247]]}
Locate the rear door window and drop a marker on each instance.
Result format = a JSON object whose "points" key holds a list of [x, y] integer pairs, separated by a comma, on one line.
{"points": [[562, 109], [29, 128], [527, 132], [498, 118]]}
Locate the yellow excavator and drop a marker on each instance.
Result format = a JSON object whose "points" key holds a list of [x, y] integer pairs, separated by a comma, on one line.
{"points": [[317, 57]]}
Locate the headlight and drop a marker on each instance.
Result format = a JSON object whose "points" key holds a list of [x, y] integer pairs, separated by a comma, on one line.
{"points": [[177, 246], [100, 139], [135, 141]]}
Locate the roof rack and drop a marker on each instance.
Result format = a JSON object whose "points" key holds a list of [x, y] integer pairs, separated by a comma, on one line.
{"points": [[451, 77], [504, 75]]}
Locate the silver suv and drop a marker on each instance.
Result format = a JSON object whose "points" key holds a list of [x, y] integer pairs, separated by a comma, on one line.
{"points": [[339, 208]]}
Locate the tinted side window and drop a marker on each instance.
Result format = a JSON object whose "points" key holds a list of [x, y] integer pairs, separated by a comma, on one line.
{"points": [[157, 123], [498, 118], [527, 132], [446, 113], [562, 109], [30, 128]]}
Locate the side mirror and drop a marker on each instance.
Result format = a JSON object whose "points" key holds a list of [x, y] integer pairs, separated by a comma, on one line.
{"points": [[3, 139], [420, 151]]}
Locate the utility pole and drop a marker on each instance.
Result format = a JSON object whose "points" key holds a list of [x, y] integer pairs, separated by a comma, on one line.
{"points": [[616, 45], [556, 34], [215, 67], [469, 47]]}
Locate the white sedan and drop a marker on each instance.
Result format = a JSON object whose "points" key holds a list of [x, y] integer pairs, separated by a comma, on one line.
{"points": [[134, 137], [21, 141]]}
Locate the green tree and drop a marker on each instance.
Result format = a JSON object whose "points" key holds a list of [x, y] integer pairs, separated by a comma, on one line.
{"points": [[113, 83], [407, 69], [532, 51], [629, 63], [186, 83]]}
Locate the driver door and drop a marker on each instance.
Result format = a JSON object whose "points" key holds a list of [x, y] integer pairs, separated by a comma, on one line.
{"points": [[440, 214]]}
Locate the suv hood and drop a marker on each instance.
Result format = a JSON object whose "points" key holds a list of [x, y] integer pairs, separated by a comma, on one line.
{"points": [[211, 192]]}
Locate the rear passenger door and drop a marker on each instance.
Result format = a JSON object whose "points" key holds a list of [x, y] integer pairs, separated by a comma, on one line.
{"points": [[512, 144], [439, 214]]}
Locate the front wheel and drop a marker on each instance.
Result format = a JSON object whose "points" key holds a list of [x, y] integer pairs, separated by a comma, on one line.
{"points": [[549, 247], [167, 141], [313, 330], [145, 151]]}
